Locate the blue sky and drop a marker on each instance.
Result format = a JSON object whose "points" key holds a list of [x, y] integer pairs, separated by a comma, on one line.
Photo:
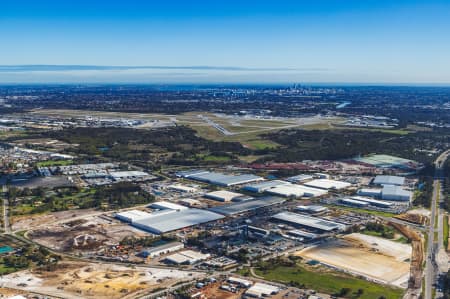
{"points": [[230, 41]]}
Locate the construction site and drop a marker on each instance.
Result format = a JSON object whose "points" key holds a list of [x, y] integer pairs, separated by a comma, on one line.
{"points": [[88, 280], [374, 258], [84, 235]]}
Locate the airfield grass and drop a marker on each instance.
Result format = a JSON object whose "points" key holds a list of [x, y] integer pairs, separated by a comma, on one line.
{"points": [[328, 282]]}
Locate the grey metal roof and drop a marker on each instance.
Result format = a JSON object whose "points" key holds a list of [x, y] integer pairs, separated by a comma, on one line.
{"points": [[176, 220], [224, 179], [389, 180], [391, 190], [262, 186], [249, 205], [308, 221]]}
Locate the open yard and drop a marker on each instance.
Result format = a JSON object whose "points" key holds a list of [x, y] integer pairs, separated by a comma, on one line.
{"points": [[375, 258]]}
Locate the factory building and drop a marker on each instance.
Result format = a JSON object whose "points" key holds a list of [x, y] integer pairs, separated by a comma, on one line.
{"points": [[297, 191], [327, 184], [395, 193], [177, 219], [303, 234], [223, 195], [186, 257], [301, 178], [220, 179], [129, 175], [262, 290], [160, 250], [371, 192], [182, 188], [247, 206], [165, 205], [191, 202], [313, 223], [374, 202], [389, 180], [132, 215], [354, 202], [312, 209], [264, 186]]}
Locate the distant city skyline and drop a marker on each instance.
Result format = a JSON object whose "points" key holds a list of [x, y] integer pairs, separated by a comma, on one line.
{"points": [[376, 42]]}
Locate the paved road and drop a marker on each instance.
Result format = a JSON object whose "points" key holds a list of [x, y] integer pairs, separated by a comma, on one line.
{"points": [[7, 226], [436, 258]]}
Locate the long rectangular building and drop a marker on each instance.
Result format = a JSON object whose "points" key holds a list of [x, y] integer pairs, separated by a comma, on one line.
{"points": [[327, 184], [248, 205], [314, 223], [220, 179], [178, 219]]}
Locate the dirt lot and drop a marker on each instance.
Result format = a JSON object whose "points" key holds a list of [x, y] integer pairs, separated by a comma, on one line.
{"points": [[88, 280], [35, 221], [88, 234], [375, 258]]}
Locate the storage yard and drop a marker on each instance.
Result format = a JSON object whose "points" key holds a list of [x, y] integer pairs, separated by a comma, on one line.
{"points": [[375, 258]]}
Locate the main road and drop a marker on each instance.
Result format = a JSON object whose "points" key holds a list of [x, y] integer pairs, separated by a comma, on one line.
{"points": [[436, 257]]}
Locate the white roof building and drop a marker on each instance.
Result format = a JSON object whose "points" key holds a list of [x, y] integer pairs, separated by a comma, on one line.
{"points": [[296, 191], [389, 180], [132, 215], [182, 188], [177, 219], [187, 257], [309, 221], [165, 205], [327, 184], [223, 195], [260, 290]]}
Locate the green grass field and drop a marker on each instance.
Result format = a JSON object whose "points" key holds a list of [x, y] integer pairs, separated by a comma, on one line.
{"points": [[363, 211], [54, 163], [445, 232], [328, 282], [6, 270]]}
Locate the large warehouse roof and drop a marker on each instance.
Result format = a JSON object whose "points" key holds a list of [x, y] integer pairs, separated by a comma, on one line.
{"points": [[385, 161], [165, 205], [308, 221], [176, 220], [373, 202], [223, 195], [297, 191], [287, 191], [221, 179], [249, 205], [327, 184], [132, 215], [395, 193], [389, 180], [263, 186]]}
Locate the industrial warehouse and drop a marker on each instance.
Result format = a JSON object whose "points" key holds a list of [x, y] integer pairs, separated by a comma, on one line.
{"points": [[247, 206], [313, 223], [167, 217], [220, 179]]}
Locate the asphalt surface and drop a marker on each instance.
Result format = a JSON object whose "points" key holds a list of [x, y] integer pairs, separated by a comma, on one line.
{"points": [[436, 257]]}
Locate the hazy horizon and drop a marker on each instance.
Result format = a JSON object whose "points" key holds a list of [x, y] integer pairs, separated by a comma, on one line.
{"points": [[370, 42]]}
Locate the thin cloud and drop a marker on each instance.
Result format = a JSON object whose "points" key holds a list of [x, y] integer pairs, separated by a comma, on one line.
{"points": [[59, 68]]}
